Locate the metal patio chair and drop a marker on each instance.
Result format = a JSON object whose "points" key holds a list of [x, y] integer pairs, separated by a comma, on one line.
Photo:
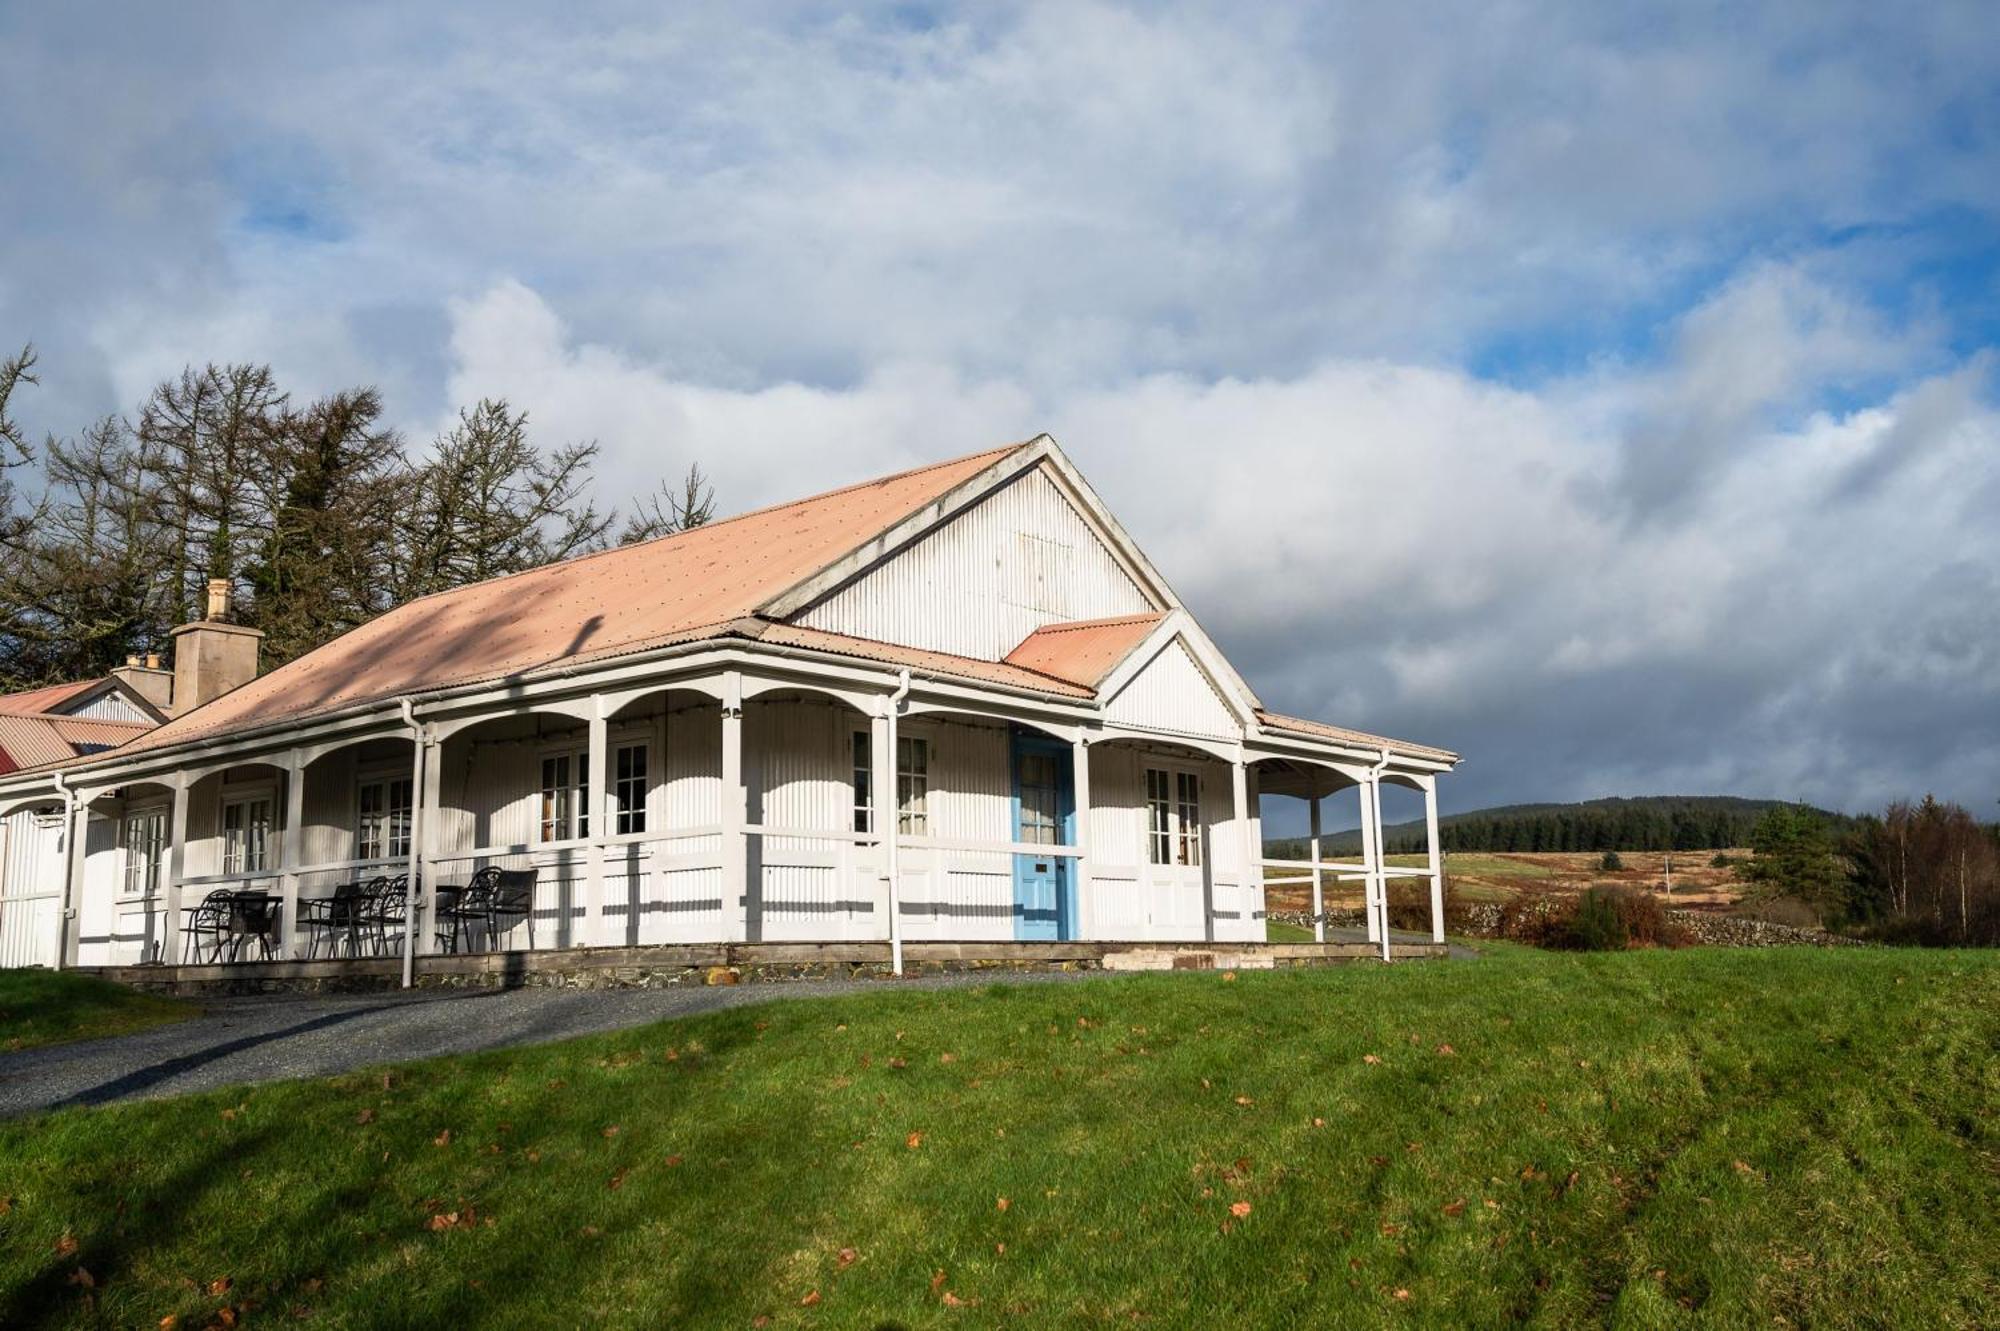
{"points": [[334, 919], [207, 926], [385, 908], [253, 915], [465, 907]]}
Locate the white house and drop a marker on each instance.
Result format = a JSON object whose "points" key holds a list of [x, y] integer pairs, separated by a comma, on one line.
{"points": [[955, 705]]}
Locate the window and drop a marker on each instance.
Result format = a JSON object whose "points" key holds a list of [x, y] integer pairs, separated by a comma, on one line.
{"points": [[1187, 813], [145, 836], [912, 784], [864, 785], [382, 819], [1173, 817], [628, 788], [565, 797], [1040, 817], [246, 834]]}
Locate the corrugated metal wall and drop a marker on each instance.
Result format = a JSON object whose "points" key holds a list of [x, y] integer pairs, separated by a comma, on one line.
{"points": [[1021, 558], [1174, 694], [110, 707]]}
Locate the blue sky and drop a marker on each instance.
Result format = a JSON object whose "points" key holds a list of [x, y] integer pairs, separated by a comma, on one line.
{"points": [[1605, 391]]}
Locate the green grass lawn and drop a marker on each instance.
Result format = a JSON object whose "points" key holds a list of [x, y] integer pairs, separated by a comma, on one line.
{"points": [[48, 1007], [1785, 1137]]}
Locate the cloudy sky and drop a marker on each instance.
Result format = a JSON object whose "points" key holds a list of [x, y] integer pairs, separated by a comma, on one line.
{"points": [[1607, 393]]}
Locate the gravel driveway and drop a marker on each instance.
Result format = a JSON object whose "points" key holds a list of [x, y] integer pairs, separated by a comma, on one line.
{"points": [[272, 1038]]}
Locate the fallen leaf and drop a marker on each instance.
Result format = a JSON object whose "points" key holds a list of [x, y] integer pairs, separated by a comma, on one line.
{"points": [[846, 1258], [611, 1131], [618, 1179], [365, 1116], [1446, 1050], [914, 1140], [591, 1231], [445, 1220], [1455, 1208], [442, 1139], [947, 1058], [82, 1279], [1229, 976], [1001, 1203], [1000, 1250], [1390, 1230], [1319, 1122], [952, 1300], [66, 1244], [1239, 1209], [898, 1064], [169, 1322], [761, 1320], [672, 1161], [1378, 1160], [937, 1282], [1245, 1101], [1741, 1167], [1370, 1059], [217, 1288], [1402, 1294], [811, 1298]]}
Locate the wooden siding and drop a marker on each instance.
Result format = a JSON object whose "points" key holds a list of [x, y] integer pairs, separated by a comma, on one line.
{"points": [[1174, 694], [1020, 558], [31, 887]]}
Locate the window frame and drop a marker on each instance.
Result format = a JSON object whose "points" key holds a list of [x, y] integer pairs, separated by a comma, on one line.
{"points": [[573, 796], [246, 795], [621, 815], [913, 817], [387, 779], [1171, 841], [156, 867]]}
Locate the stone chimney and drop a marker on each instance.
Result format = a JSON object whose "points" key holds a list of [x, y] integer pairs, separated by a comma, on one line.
{"points": [[212, 655], [149, 680]]}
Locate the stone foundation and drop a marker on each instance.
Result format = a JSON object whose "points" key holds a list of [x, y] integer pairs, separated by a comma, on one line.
{"points": [[733, 963]]}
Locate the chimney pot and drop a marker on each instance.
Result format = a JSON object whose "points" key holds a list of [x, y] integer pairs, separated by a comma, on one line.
{"points": [[132, 660], [218, 598], [152, 660]]}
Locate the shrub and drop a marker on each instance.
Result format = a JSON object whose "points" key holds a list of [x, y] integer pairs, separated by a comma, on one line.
{"points": [[1783, 910], [1611, 863], [1595, 924], [1606, 918], [1721, 860], [1410, 906]]}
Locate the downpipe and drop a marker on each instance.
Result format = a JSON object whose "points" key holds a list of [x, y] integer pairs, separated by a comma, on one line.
{"points": [[417, 831], [66, 923]]}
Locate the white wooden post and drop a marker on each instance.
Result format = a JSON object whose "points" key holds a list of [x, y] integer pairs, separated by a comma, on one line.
{"points": [[176, 870], [1436, 860], [1084, 917], [881, 758], [78, 844], [1239, 792], [1381, 861], [291, 846], [420, 915], [1319, 899], [885, 816], [1370, 862], [735, 813], [597, 810]]}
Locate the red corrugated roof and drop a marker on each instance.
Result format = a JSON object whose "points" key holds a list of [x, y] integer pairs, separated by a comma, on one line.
{"points": [[35, 702], [682, 587], [30, 741], [1083, 651], [1359, 738]]}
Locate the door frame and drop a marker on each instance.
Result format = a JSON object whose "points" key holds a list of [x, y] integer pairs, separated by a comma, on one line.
{"points": [[1021, 742]]}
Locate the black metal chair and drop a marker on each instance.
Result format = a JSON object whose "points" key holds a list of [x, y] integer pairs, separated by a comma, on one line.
{"points": [[513, 901], [334, 919], [469, 905], [208, 926], [385, 907], [253, 915]]}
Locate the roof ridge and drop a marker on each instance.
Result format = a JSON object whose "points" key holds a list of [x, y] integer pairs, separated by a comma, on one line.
{"points": [[720, 522]]}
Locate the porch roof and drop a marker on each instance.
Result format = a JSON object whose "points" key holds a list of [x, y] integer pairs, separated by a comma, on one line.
{"points": [[1340, 734]]}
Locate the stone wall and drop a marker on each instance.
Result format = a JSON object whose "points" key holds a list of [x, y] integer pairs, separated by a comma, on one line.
{"points": [[1481, 919]]}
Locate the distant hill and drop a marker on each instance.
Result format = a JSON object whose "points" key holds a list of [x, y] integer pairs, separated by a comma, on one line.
{"points": [[1649, 822]]}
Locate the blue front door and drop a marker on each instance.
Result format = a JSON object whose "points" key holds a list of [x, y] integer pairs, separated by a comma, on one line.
{"points": [[1043, 816]]}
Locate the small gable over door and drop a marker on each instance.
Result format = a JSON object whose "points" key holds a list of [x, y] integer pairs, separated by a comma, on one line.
{"points": [[1173, 693]]}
